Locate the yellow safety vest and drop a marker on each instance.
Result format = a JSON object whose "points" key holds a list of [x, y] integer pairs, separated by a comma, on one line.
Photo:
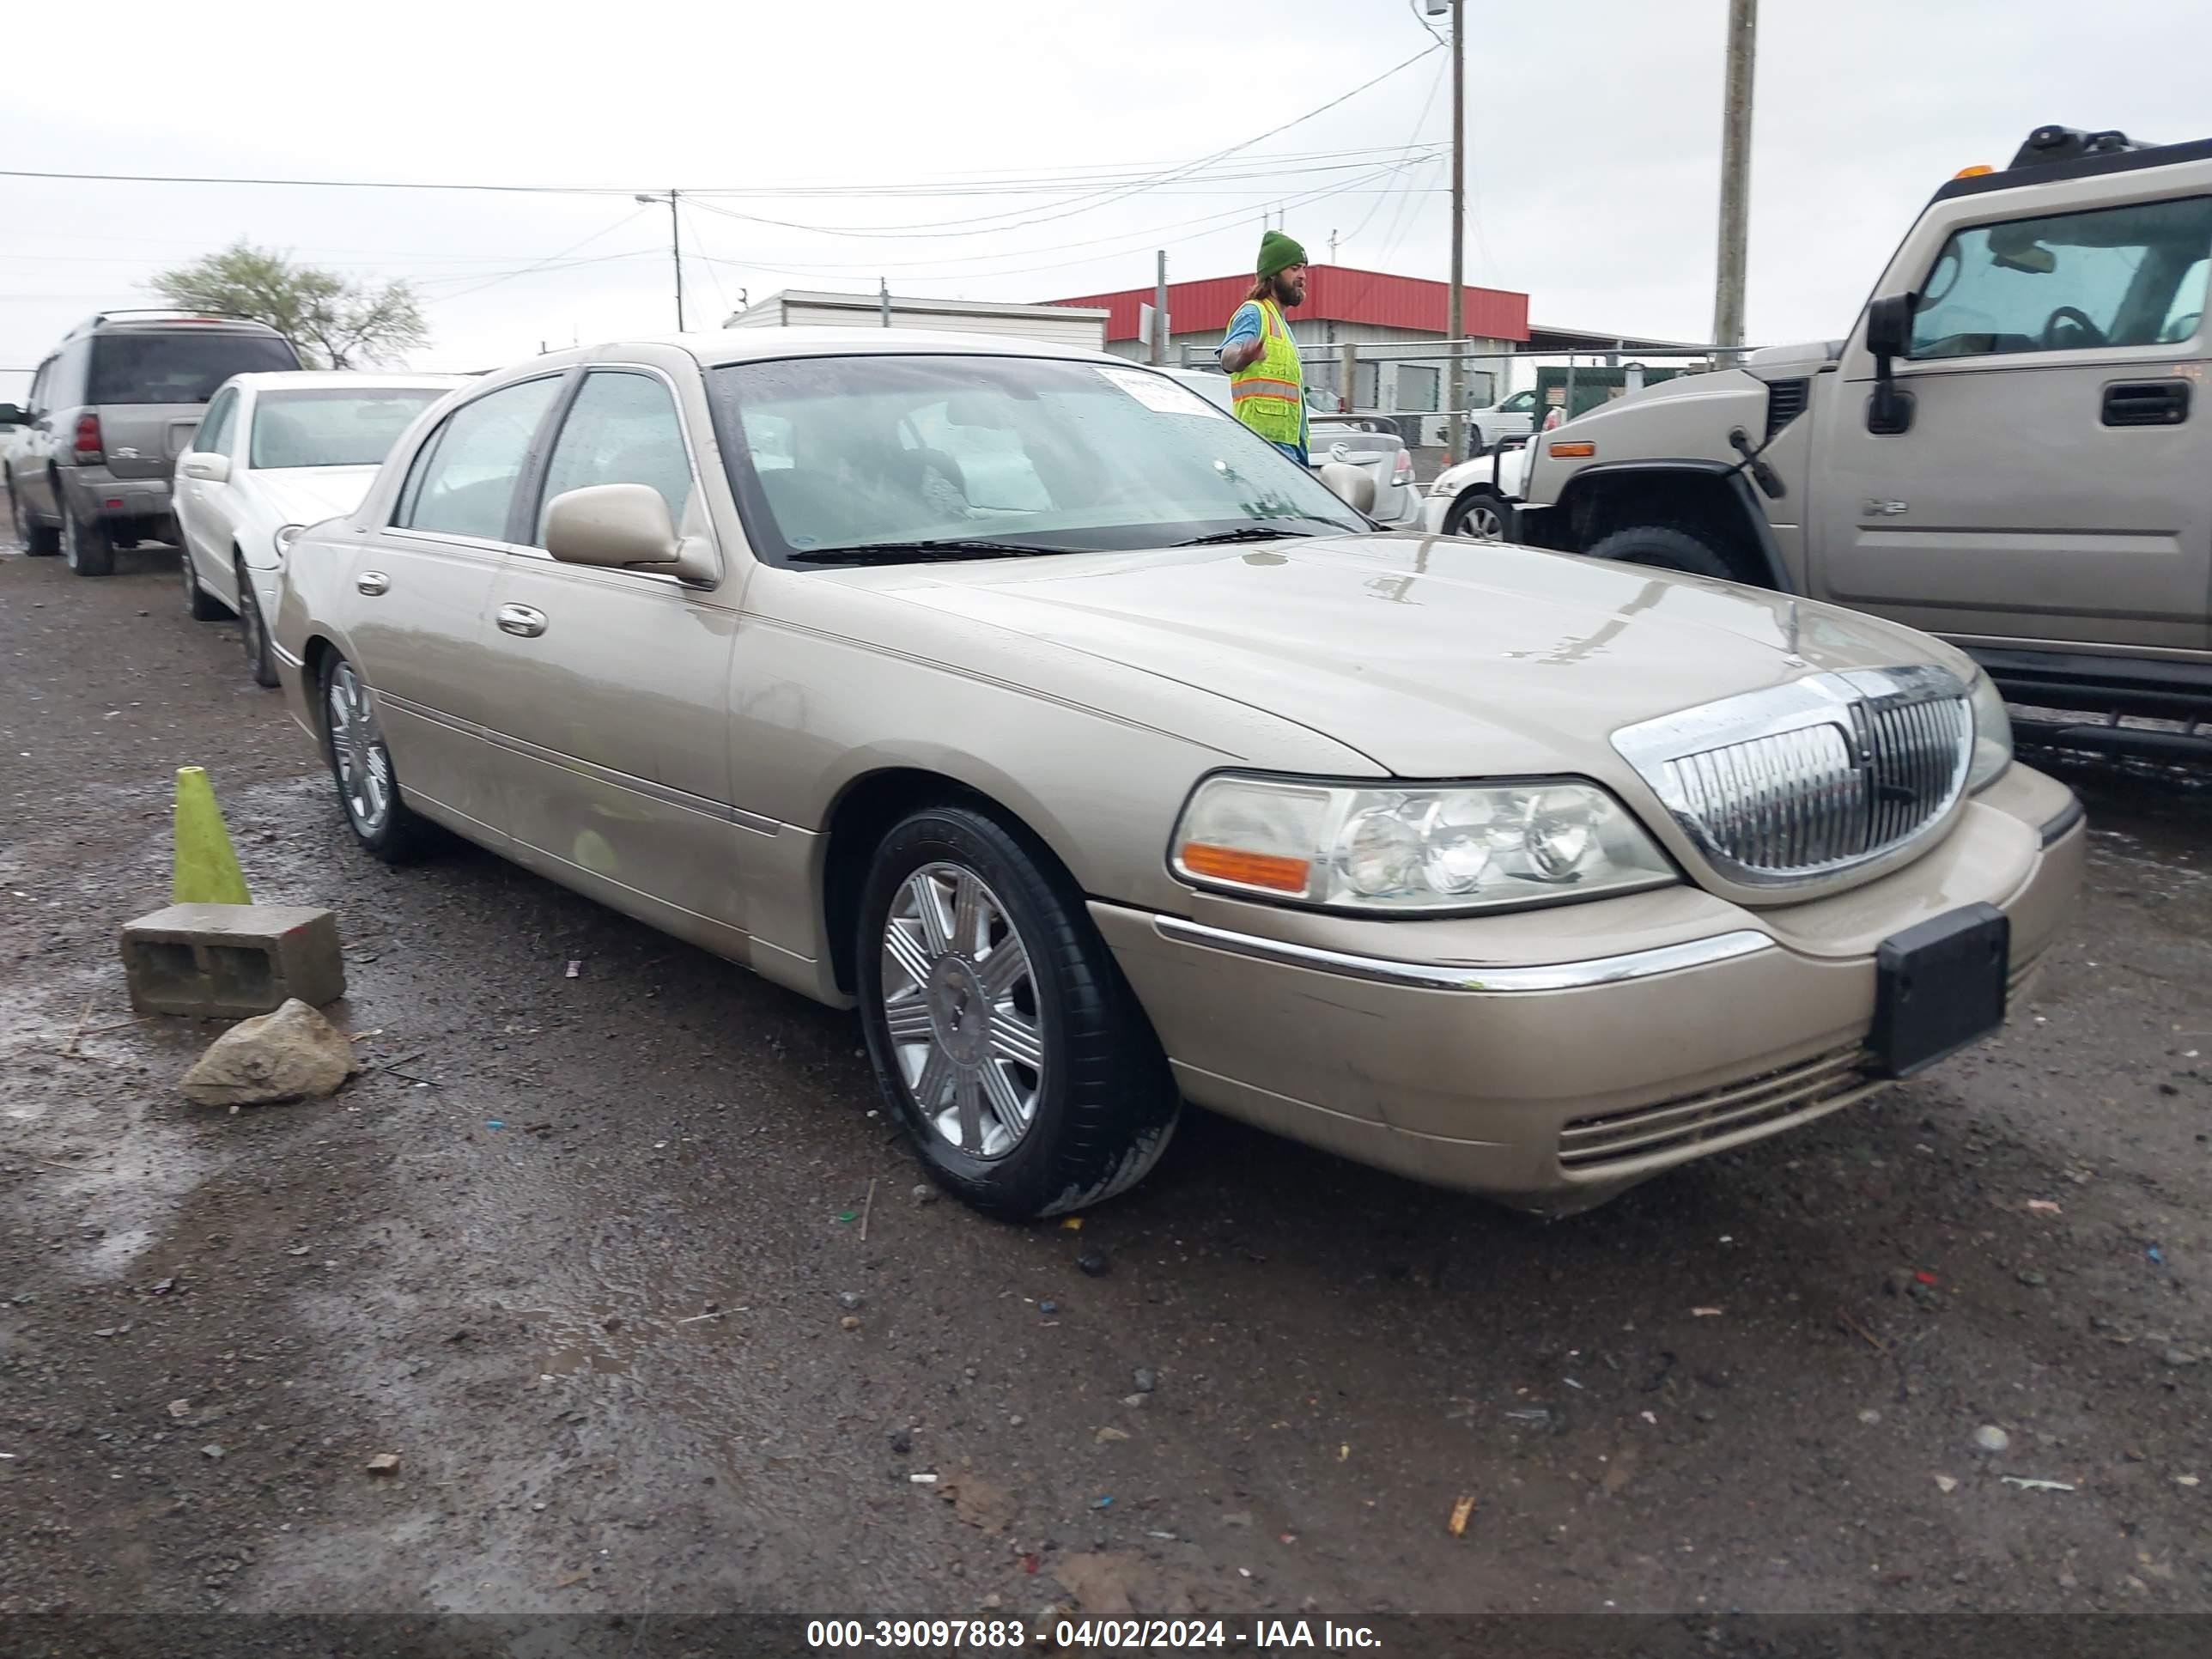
{"points": [[1269, 393]]}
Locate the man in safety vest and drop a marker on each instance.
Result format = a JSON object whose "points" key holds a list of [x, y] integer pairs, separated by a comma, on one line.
{"points": [[1267, 384]]}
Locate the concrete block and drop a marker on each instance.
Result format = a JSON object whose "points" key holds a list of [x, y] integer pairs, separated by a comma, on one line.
{"points": [[226, 961]]}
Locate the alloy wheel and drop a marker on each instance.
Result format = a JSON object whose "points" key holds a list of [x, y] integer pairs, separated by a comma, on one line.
{"points": [[364, 767], [961, 1005]]}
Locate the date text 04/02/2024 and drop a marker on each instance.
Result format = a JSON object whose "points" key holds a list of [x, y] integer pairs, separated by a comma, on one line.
{"points": [[1262, 1636]]}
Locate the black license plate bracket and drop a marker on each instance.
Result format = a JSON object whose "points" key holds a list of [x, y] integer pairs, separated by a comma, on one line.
{"points": [[1940, 987]]}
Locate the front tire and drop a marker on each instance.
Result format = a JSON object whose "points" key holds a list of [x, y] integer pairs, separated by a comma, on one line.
{"points": [[40, 541], [1666, 547], [1476, 515], [368, 788], [1000, 1028], [199, 604], [253, 631], [86, 548]]}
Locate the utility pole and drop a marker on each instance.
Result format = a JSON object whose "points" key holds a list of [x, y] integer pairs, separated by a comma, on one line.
{"points": [[1735, 171], [675, 247], [883, 298], [1455, 307], [1160, 310]]}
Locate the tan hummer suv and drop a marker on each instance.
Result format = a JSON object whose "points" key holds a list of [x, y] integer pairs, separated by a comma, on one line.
{"points": [[2007, 451]]}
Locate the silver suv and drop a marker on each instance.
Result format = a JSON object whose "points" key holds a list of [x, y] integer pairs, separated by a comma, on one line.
{"points": [[88, 471], [2006, 450]]}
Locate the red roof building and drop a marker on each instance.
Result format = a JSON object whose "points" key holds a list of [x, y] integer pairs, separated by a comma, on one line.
{"points": [[1334, 294], [1344, 306]]}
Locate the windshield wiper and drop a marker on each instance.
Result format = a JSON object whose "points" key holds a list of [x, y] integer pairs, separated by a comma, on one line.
{"points": [[894, 552], [1247, 532]]}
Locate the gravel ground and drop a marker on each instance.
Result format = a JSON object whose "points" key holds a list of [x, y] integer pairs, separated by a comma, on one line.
{"points": [[586, 1255]]}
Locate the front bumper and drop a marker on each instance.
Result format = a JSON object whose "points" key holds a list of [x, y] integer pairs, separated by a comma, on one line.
{"points": [[1551, 1058]]}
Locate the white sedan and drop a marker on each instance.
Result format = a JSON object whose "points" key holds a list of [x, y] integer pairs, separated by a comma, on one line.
{"points": [[274, 453], [1476, 498]]}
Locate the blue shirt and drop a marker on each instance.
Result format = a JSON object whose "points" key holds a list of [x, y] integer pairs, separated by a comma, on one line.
{"points": [[1247, 326]]}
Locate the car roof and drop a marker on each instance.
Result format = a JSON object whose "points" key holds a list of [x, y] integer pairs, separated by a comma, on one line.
{"points": [[281, 380], [157, 320]]}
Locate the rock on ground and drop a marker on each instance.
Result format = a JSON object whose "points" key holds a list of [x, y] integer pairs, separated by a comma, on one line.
{"points": [[293, 1053]]}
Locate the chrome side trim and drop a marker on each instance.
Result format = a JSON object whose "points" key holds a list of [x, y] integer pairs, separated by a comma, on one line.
{"points": [[1465, 976], [2059, 828], [291, 661]]}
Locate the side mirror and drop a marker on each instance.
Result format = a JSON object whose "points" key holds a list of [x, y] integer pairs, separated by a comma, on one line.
{"points": [[1352, 485], [1889, 337], [11, 415], [619, 525], [212, 468], [1889, 325]]}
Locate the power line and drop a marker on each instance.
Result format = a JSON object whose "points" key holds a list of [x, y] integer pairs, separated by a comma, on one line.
{"points": [[943, 229], [1109, 193], [550, 259], [1214, 223]]}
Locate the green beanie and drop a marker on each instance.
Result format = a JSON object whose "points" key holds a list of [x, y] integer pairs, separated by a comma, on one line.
{"points": [[1277, 252]]}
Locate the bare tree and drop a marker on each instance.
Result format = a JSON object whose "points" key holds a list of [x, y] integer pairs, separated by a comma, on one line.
{"points": [[335, 324]]}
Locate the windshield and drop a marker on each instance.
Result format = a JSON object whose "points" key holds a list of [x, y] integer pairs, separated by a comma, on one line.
{"points": [[1027, 454], [335, 426], [145, 367]]}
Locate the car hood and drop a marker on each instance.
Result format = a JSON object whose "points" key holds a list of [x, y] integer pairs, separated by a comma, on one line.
{"points": [[1434, 658], [308, 494], [1505, 468]]}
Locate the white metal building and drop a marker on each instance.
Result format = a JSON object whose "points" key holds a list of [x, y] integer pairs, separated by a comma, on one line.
{"points": [[1061, 325]]}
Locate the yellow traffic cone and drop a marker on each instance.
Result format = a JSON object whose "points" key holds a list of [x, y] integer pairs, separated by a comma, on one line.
{"points": [[206, 870]]}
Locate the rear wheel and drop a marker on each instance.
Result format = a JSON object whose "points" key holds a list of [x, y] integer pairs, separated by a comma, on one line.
{"points": [[368, 791], [199, 604], [85, 547], [1000, 1028], [253, 631], [40, 541], [1476, 513], [1666, 547]]}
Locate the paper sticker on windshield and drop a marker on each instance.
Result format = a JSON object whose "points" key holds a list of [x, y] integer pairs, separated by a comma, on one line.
{"points": [[1159, 393]]}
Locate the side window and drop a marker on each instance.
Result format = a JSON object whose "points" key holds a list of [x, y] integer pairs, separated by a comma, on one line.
{"points": [[463, 481], [65, 378], [213, 437], [621, 429], [2110, 277], [38, 393]]}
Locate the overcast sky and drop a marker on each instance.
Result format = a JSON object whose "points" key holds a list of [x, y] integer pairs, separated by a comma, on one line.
{"points": [[1594, 129]]}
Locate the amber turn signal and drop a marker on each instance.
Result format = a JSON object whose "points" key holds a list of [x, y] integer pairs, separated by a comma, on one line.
{"points": [[1574, 452], [1276, 874]]}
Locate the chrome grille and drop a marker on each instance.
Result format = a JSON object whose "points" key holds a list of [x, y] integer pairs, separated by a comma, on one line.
{"points": [[1813, 778]]}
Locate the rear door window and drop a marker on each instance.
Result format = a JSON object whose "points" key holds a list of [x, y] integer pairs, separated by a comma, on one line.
{"points": [[182, 368], [463, 481]]}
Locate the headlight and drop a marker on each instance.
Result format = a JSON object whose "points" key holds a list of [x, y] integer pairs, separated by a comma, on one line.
{"points": [[286, 535], [1457, 847], [1992, 735]]}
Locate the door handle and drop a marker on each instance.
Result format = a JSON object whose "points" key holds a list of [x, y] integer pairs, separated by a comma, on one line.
{"points": [[521, 620], [373, 582], [2146, 403]]}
